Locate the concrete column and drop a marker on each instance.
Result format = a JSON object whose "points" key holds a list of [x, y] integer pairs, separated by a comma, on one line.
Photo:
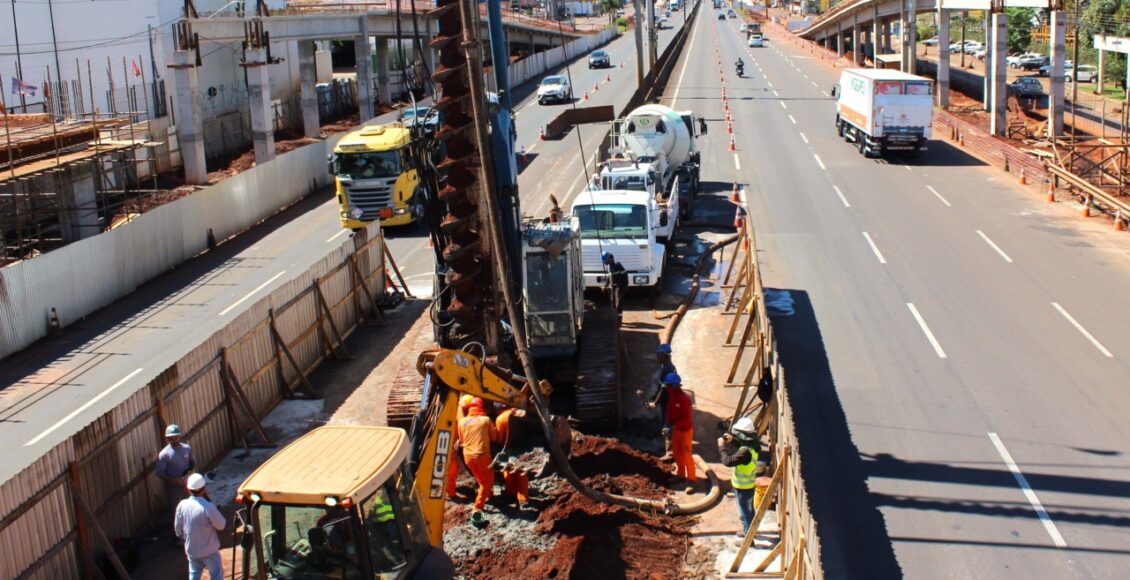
{"points": [[876, 37], [839, 39], [998, 71], [1056, 29], [364, 73], [986, 69], [887, 48], [942, 95], [190, 117], [259, 97], [308, 77], [856, 45], [384, 90], [1102, 72], [903, 60], [827, 43], [910, 36], [76, 196]]}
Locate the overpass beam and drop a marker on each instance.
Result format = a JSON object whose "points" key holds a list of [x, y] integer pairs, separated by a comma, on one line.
{"points": [[384, 87], [259, 97], [308, 77], [362, 55], [942, 97], [998, 71], [190, 117], [1059, 49]]}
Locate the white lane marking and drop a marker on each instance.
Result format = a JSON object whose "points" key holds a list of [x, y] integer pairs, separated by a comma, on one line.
{"points": [[906, 167], [825, 93], [815, 85], [531, 147], [775, 93], [678, 87], [1080, 328], [84, 407], [926, 329], [841, 194], [783, 105], [935, 192], [803, 137], [805, 76], [251, 293], [769, 83], [1049, 525], [337, 235], [819, 162], [793, 119], [875, 248], [737, 164], [995, 247]]}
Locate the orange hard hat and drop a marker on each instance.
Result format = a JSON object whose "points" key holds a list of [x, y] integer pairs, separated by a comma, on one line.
{"points": [[476, 402]]}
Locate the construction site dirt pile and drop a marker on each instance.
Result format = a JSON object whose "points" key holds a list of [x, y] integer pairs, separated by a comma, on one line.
{"points": [[591, 539]]}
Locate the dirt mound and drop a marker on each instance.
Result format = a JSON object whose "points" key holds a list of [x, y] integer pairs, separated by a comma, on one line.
{"points": [[591, 539]]}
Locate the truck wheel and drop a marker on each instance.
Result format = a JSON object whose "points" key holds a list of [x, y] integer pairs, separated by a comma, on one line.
{"points": [[862, 143], [839, 127]]}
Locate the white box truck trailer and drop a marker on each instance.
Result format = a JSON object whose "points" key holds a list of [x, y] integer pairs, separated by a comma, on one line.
{"points": [[884, 111]]}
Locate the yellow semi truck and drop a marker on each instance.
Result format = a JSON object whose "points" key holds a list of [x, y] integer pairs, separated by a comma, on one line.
{"points": [[373, 177]]}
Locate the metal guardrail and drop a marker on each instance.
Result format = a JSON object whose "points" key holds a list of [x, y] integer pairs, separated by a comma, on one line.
{"points": [[1090, 194]]}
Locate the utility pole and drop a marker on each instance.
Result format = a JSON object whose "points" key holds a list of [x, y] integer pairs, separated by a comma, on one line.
{"points": [[652, 36], [964, 17], [1074, 63], [55, 47], [19, 63], [638, 25]]}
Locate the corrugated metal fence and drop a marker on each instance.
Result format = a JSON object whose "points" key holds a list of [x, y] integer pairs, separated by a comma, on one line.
{"points": [[100, 483], [84, 276]]}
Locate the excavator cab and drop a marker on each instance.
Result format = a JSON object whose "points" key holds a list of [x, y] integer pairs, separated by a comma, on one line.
{"points": [[338, 503], [553, 295]]}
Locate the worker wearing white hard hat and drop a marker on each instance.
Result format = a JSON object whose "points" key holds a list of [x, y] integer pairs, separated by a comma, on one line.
{"points": [[174, 463], [198, 523], [739, 449]]}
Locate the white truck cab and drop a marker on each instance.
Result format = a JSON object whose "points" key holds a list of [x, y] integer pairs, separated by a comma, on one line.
{"points": [[646, 176], [623, 223]]}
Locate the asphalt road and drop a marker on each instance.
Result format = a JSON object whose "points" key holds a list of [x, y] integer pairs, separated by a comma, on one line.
{"points": [[957, 357], [51, 390]]}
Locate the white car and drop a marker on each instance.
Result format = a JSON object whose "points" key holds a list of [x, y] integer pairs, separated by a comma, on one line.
{"points": [[971, 47], [931, 41], [1013, 60], [554, 88], [756, 40]]}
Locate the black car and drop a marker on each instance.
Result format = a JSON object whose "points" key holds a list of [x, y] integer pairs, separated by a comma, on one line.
{"points": [[1032, 62], [599, 59], [1026, 87], [721, 16]]}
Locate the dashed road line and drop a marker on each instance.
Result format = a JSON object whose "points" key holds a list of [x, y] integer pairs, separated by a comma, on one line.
{"points": [[737, 164], [935, 192], [841, 194], [84, 407], [803, 138], [1082, 330], [994, 246], [926, 330], [819, 162], [783, 105], [793, 119], [874, 248], [251, 293], [1022, 481]]}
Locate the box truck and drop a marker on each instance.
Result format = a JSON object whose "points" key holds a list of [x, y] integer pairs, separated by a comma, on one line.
{"points": [[884, 111]]}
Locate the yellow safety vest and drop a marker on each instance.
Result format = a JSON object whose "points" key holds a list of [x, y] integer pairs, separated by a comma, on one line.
{"points": [[381, 512], [745, 475]]}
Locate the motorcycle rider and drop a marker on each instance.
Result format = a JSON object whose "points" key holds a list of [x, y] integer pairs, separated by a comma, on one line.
{"points": [[740, 66]]}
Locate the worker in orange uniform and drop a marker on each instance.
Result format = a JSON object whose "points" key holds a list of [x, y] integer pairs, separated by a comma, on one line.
{"points": [[678, 423], [502, 423], [476, 431], [516, 483], [453, 467]]}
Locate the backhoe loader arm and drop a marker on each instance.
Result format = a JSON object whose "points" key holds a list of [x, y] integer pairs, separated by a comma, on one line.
{"points": [[452, 373]]}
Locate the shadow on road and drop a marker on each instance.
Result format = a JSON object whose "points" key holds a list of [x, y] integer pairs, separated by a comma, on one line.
{"points": [[853, 536], [941, 154]]}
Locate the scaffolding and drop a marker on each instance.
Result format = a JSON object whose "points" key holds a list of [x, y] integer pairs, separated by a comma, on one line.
{"points": [[67, 174]]}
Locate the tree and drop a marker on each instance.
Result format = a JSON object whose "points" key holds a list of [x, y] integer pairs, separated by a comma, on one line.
{"points": [[1020, 28]]}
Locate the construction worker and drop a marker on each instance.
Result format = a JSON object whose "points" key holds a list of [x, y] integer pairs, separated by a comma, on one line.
{"points": [[476, 431], [197, 522], [502, 423], [516, 483], [174, 463], [617, 281], [453, 464], [678, 423], [739, 450], [666, 367]]}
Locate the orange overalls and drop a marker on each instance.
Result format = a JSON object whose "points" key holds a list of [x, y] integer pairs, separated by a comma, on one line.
{"points": [[680, 416], [476, 431]]}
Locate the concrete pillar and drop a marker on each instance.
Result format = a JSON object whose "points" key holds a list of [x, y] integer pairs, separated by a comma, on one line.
{"points": [[910, 37], [942, 94], [998, 72], [856, 45], [384, 90], [362, 55], [887, 48], [1102, 72], [839, 39], [76, 196], [986, 72], [1056, 29], [308, 77], [876, 37], [259, 97], [827, 43], [190, 117]]}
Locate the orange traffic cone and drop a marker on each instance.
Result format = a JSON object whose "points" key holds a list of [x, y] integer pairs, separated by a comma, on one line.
{"points": [[732, 148], [734, 194], [607, 78], [541, 133], [586, 97], [1118, 225], [729, 128], [1023, 177], [1086, 207], [595, 87], [1051, 192]]}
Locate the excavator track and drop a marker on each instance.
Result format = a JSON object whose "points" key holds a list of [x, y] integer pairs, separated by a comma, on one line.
{"points": [[598, 371]]}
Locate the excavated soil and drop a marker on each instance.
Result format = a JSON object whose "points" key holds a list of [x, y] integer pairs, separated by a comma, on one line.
{"points": [[586, 539]]}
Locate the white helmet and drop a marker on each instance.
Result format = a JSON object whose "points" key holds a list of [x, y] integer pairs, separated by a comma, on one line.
{"points": [[744, 426], [196, 482]]}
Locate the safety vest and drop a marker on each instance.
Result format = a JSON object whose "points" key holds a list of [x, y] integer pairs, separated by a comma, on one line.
{"points": [[381, 512], [746, 474]]}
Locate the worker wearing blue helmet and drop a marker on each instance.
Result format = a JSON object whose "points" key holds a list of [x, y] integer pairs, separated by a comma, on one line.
{"points": [[617, 281], [659, 400]]}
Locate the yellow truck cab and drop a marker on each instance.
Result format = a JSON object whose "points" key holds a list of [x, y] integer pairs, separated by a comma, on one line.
{"points": [[339, 502], [373, 177]]}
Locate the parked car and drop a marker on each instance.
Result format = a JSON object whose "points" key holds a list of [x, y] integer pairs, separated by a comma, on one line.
{"points": [[554, 88], [931, 41], [1013, 60], [1026, 87], [981, 53], [599, 59], [1084, 73], [1032, 62], [959, 47], [743, 27], [971, 47], [1046, 69]]}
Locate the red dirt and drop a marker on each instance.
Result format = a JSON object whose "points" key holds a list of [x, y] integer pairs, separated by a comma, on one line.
{"points": [[595, 540]]}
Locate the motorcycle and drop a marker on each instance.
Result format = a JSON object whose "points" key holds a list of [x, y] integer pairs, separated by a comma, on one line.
{"points": [[740, 68]]}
